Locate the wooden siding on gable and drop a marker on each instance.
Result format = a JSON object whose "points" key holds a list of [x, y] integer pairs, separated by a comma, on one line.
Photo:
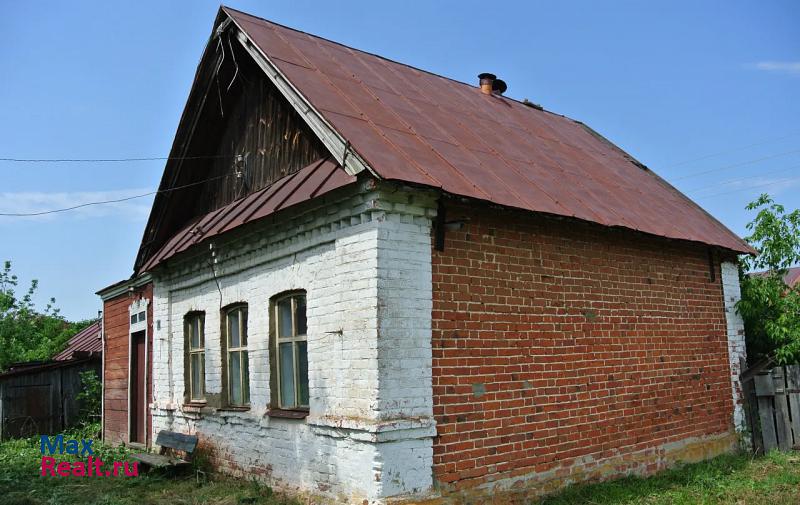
{"points": [[245, 137]]}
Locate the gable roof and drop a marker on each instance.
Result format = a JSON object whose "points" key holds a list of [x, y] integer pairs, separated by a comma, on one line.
{"points": [[85, 342], [410, 125], [791, 278]]}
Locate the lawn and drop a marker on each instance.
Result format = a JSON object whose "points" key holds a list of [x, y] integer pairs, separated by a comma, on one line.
{"points": [[733, 479], [21, 484]]}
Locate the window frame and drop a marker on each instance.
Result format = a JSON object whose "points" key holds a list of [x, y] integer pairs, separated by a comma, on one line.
{"points": [[276, 398], [244, 379], [188, 321]]}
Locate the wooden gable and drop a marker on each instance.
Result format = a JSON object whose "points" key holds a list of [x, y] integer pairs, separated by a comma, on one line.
{"points": [[237, 135]]}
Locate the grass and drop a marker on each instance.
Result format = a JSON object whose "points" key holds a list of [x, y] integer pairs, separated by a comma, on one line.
{"points": [[731, 479], [21, 483]]}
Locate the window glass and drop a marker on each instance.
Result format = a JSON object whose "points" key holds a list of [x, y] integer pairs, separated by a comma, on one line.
{"points": [[197, 367], [287, 375], [235, 378], [245, 378], [302, 371], [300, 314], [285, 318], [233, 328]]}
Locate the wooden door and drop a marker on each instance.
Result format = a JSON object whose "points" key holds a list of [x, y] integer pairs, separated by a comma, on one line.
{"points": [[137, 389]]}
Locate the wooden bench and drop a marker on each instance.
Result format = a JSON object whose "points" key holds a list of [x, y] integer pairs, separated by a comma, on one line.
{"points": [[168, 440]]}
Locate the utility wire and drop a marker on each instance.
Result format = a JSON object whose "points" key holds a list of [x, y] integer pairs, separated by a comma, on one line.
{"points": [[103, 202], [720, 153], [772, 183], [740, 179], [110, 160], [735, 165]]}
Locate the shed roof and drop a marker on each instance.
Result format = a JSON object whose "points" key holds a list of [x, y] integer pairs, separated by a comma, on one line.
{"points": [[316, 179], [414, 126], [86, 341]]}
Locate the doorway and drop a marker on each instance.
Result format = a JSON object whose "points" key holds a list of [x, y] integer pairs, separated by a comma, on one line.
{"points": [[137, 390]]}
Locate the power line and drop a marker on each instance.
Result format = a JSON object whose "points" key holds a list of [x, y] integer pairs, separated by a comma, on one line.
{"points": [[720, 153], [739, 179], [771, 183], [111, 160], [103, 202], [735, 165]]}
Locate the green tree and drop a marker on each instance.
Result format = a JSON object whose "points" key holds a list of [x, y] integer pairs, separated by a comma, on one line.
{"points": [[771, 309], [27, 334]]}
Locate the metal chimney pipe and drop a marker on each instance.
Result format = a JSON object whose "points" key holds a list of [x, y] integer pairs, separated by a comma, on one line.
{"points": [[486, 82]]}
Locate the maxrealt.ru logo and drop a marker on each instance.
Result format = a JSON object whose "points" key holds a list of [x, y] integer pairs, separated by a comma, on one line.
{"points": [[92, 467]]}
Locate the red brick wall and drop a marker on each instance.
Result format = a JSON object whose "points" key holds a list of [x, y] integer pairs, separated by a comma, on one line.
{"points": [[116, 328], [554, 340]]}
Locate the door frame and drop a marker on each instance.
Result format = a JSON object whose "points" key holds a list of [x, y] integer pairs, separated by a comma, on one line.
{"points": [[138, 324]]}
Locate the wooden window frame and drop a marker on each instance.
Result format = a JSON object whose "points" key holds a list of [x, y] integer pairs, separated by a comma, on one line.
{"points": [[188, 320], [277, 407], [242, 348]]}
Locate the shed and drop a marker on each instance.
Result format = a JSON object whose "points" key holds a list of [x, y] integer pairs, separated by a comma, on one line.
{"points": [[40, 397]]}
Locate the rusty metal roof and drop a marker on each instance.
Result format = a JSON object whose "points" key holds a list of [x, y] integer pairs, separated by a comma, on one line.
{"points": [[85, 342], [316, 179], [415, 126]]}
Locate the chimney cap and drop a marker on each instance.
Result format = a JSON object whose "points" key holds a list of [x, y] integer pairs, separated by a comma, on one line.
{"points": [[499, 86], [486, 75]]}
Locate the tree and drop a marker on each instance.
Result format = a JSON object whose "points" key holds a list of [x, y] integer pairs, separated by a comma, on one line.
{"points": [[771, 309], [27, 334]]}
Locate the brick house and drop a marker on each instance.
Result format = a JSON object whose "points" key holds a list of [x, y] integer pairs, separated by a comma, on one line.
{"points": [[365, 283]]}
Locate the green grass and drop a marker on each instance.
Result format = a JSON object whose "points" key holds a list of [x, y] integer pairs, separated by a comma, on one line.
{"points": [[731, 479], [21, 484]]}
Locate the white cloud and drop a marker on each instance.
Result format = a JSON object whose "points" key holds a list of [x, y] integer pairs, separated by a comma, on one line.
{"points": [[785, 67], [24, 202]]}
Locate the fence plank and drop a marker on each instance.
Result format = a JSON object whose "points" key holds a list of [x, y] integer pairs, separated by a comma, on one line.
{"points": [[782, 422], [793, 390], [764, 389]]}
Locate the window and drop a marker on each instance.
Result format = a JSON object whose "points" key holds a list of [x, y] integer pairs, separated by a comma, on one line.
{"points": [[290, 352], [194, 329], [238, 369]]}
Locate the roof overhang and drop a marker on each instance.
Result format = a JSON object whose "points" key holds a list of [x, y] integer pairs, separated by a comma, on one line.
{"points": [[122, 287]]}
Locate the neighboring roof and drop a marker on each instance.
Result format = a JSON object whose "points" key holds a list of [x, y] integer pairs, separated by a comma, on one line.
{"points": [[316, 179], [83, 343], [418, 127], [791, 279], [41, 366]]}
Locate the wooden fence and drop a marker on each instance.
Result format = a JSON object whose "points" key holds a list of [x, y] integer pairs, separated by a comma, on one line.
{"points": [[773, 407]]}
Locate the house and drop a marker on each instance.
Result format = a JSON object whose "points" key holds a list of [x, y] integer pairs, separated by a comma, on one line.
{"points": [[791, 278], [41, 397], [365, 282]]}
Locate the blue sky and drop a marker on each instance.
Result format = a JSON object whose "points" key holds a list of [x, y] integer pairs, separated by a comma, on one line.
{"points": [[686, 87]]}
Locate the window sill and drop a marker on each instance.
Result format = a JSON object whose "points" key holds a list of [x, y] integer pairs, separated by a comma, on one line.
{"points": [[287, 414], [234, 409]]}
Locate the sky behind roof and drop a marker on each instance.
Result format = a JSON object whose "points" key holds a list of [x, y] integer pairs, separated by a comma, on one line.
{"points": [[707, 94]]}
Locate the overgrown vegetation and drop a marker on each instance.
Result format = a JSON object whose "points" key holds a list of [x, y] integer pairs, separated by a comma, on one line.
{"points": [[21, 483], [770, 308], [90, 396], [27, 333], [731, 479]]}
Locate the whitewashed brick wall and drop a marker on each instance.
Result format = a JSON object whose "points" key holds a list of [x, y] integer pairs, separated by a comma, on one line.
{"points": [[736, 339], [365, 263]]}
